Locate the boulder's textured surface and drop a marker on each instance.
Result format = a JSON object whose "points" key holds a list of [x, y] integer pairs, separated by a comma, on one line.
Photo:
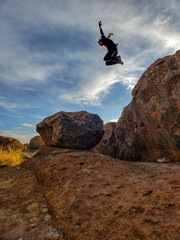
{"points": [[23, 209], [149, 127], [36, 143], [108, 143], [79, 130], [95, 197]]}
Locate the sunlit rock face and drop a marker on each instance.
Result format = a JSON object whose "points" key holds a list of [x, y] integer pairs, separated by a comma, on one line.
{"points": [[149, 127]]}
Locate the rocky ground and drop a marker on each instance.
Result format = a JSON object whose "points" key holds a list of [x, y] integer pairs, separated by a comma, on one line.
{"points": [[23, 209], [82, 195]]}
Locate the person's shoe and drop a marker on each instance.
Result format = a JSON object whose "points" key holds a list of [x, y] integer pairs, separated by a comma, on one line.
{"points": [[119, 60]]}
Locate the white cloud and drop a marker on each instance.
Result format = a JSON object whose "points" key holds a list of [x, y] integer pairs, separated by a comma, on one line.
{"points": [[27, 125], [13, 106], [22, 137], [145, 31], [113, 120], [91, 92]]}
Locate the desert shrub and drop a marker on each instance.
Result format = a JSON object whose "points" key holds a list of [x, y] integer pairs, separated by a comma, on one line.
{"points": [[11, 156]]}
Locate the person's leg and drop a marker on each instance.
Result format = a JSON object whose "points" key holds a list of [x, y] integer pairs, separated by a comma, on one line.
{"points": [[111, 57], [110, 62]]}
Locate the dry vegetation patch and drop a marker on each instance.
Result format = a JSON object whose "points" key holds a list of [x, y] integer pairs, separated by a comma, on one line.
{"points": [[13, 157]]}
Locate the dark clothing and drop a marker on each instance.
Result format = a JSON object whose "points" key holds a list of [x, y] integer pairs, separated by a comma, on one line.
{"points": [[111, 56], [109, 44]]}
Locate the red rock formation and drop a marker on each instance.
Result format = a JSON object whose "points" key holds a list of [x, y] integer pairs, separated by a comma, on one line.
{"points": [[149, 127], [95, 197], [72, 130]]}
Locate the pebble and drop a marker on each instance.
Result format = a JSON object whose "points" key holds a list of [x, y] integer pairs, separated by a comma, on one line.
{"points": [[47, 217], [18, 167], [35, 219], [14, 216], [161, 160], [33, 225], [45, 210], [52, 233]]}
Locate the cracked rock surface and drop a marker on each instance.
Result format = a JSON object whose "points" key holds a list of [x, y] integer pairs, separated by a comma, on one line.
{"points": [[95, 197]]}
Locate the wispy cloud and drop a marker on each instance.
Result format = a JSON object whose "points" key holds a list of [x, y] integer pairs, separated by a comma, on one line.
{"points": [[141, 37], [113, 120], [13, 106], [50, 58], [27, 125], [21, 136], [91, 91]]}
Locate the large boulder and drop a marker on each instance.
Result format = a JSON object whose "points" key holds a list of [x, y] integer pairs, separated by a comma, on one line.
{"points": [[36, 143], [149, 127], [81, 130]]}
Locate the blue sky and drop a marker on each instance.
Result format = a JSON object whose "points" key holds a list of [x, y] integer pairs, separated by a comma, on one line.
{"points": [[50, 60]]}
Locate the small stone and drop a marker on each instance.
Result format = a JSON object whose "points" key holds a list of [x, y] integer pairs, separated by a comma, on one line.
{"points": [[35, 219], [45, 210], [52, 234], [14, 216], [18, 167], [33, 225], [161, 160], [47, 217]]}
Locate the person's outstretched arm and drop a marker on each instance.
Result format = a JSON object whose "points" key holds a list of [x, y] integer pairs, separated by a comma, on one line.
{"points": [[110, 34], [100, 28]]}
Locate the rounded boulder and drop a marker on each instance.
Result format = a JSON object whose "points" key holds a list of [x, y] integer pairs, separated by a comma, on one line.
{"points": [[79, 130], [36, 143]]}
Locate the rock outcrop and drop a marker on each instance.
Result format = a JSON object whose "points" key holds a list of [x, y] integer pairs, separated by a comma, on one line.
{"points": [[6, 142], [95, 197], [149, 127], [79, 130], [36, 143]]}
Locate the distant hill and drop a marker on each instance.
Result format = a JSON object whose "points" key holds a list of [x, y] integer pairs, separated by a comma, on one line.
{"points": [[13, 143]]}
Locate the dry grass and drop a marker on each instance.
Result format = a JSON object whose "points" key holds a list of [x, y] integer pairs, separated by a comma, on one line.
{"points": [[12, 156]]}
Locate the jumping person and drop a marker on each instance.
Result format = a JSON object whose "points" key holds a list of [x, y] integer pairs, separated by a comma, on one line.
{"points": [[111, 56]]}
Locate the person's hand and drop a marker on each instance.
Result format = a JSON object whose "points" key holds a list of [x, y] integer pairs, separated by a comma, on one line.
{"points": [[100, 23], [111, 33]]}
